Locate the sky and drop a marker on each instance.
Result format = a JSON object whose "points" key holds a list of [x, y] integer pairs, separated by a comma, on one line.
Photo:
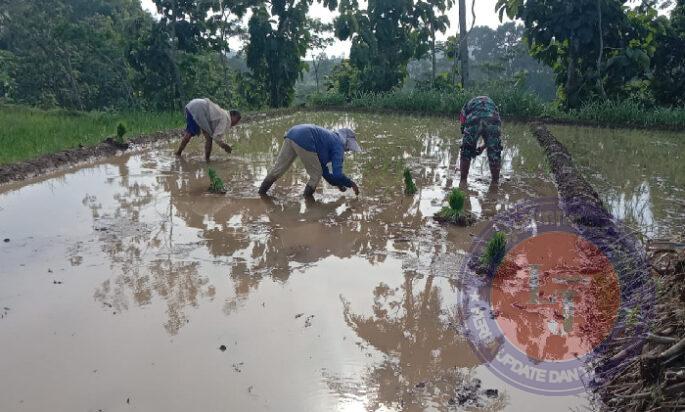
{"points": [[485, 16]]}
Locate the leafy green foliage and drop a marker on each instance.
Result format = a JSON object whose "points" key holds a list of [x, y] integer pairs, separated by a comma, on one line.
{"points": [[216, 185], [511, 100], [495, 250], [121, 131], [385, 36], [409, 185], [566, 36], [669, 60], [275, 52]]}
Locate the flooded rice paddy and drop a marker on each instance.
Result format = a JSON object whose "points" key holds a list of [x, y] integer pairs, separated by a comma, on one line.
{"points": [[124, 285]]}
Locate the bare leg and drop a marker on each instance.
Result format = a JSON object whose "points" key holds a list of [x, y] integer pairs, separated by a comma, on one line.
{"points": [[464, 166], [494, 171], [184, 142], [208, 146]]}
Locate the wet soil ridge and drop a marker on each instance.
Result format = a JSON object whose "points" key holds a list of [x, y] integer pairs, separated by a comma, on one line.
{"points": [[640, 366], [109, 147], [51, 162]]}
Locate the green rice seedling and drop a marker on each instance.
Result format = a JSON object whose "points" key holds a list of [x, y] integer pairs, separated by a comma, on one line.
{"points": [[409, 185], [495, 250], [456, 201], [216, 185], [455, 213], [121, 131]]}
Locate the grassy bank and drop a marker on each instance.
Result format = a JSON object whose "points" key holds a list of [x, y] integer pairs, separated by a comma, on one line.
{"points": [[28, 133], [513, 104]]}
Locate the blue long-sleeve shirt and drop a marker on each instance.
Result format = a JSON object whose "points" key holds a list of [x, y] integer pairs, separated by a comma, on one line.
{"points": [[327, 146]]}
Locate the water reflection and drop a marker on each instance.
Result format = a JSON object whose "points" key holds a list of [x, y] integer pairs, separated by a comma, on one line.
{"points": [[425, 360], [640, 175], [163, 212]]}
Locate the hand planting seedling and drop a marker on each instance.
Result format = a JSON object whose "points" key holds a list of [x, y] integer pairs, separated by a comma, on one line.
{"points": [[409, 186], [121, 131], [216, 185], [455, 213]]}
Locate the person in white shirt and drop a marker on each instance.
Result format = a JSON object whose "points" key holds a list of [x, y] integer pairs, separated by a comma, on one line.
{"points": [[203, 115]]}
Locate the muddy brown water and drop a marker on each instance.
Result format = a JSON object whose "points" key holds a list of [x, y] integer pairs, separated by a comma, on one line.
{"points": [[122, 279]]}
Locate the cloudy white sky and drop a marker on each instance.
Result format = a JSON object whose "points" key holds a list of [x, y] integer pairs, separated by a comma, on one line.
{"points": [[485, 15]]}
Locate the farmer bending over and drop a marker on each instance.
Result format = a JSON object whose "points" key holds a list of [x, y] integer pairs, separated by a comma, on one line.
{"points": [[480, 117], [316, 147], [206, 116]]}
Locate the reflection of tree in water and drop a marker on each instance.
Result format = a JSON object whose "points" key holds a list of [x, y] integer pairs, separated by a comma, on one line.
{"points": [[425, 360], [144, 255]]}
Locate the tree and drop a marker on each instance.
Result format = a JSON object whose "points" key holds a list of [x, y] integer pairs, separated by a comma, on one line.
{"points": [[432, 15], [590, 44], [384, 37], [68, 53], [463, 44], [669, 60], [279, 39], [318, 43]]}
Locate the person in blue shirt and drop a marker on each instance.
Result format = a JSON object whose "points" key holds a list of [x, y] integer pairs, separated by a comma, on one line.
{"points": [[316, 147]]}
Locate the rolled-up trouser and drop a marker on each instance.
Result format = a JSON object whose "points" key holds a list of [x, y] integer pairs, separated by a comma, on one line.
{"points": [[289, 151]]}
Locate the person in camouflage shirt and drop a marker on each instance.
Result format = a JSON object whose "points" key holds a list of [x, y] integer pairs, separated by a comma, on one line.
{"points": [[480, 117]]}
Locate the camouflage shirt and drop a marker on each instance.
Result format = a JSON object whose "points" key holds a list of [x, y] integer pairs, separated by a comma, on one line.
{"points": [[481, 107]]}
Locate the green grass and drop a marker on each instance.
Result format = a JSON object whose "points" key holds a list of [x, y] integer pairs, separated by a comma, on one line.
{"points": [[513, 103], [27, 133]]}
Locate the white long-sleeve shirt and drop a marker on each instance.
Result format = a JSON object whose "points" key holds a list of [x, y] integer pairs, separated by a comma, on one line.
{"points": [[210, 117]]}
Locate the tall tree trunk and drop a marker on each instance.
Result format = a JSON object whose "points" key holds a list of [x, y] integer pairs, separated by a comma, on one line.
{"points": [[433, 51], [600, 82], [571, 74], [463, 44], [223, 54]]}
